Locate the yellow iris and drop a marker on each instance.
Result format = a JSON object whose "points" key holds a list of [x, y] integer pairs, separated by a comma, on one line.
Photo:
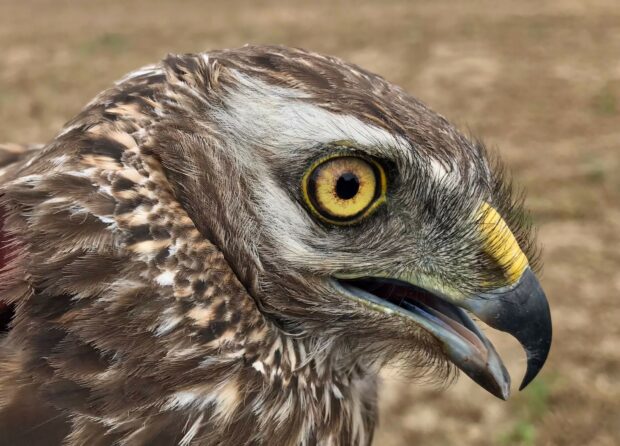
{"points": [[344, 189]]}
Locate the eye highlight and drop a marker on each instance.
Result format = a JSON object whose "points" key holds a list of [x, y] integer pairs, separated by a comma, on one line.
{"points": [[344, 189]]}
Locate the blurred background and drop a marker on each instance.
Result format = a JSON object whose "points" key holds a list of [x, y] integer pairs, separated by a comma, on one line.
{"points": [[537, 80]]}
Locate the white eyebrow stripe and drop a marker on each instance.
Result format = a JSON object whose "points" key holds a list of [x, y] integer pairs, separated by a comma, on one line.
{"points": [[277, 118]]}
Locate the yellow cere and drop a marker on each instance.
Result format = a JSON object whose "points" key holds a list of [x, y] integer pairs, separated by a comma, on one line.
{"points": [[501, 244]]}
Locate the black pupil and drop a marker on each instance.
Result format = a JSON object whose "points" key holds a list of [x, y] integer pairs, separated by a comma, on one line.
{"points": [[347, 186]]}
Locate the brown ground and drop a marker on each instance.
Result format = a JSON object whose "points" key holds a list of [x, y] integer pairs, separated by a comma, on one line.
{"points": [[539, 80]]}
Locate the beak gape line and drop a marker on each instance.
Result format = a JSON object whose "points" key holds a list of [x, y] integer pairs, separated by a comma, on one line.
{"points": [[519, 308]]}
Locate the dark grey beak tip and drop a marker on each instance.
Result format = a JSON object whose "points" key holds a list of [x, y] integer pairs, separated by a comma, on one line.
{"points": [[535, 339], [523, 312], [537, 348]]}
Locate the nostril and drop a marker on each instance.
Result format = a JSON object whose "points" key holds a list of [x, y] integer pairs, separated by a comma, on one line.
{"points": [[6, 316]]}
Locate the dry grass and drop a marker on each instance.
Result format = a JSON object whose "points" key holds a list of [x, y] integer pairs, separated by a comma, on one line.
{"points": [[539, 80]]}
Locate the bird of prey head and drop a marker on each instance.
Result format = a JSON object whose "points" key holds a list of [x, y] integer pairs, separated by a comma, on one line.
{"points": [[225, 248]]}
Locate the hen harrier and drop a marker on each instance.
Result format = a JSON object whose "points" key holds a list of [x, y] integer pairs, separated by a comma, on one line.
{"points": [[225, 248]]}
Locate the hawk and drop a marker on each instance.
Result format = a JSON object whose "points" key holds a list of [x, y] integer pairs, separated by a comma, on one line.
{"points": [[225, 248]]}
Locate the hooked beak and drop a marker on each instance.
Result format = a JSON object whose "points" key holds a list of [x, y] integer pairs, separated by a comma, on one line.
{"points": [[519, 308]]}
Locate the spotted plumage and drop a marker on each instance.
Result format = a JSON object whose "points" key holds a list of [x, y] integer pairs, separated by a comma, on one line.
{"points": [[170, 286]]}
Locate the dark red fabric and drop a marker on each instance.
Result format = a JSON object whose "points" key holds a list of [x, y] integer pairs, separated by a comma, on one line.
{"points": [[6, 311]]}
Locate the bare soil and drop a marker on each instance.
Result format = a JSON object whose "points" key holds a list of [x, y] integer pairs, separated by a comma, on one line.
{"points": [[540, 81]]}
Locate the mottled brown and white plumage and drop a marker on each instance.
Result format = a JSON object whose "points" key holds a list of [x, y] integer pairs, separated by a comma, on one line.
{"points": [[170, 287]]}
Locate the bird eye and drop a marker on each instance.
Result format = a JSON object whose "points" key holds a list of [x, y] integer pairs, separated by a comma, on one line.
{"points": [[344, 189]]}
